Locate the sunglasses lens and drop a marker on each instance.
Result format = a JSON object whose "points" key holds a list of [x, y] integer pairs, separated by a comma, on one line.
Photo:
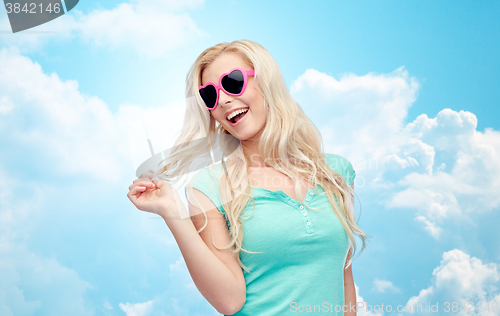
{"points": [[233, 82], [209, 95]]}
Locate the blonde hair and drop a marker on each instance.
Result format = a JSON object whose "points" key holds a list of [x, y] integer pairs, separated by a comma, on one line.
{"points": [[295, 150]]}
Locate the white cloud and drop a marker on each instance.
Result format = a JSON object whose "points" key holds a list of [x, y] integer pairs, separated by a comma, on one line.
{"points": [[137, 309], [430, 227], [366, 111], [464, 180], [167, 5], [70, 134], [57, 128], [181, 298], [440, 167], [107, 306], [363, 308], [383, 286], [151, 28], [52, 287], [462, 279], [145, 28], [5, 105], [32, 283]]}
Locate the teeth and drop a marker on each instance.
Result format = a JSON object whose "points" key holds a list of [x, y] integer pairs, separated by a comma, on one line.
{"points": [[230, 116]]}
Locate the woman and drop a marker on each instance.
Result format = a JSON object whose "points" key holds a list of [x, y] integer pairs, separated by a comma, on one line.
{"points": [[271, 228]]}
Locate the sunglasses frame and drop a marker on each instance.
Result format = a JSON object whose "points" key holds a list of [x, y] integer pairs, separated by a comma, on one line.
{"points": [[246, 74]]}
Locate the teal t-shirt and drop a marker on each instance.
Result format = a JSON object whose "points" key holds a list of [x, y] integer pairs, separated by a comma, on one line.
{"points": [[300, 267]]}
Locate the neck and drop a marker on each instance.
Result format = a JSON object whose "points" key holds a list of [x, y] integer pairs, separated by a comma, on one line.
{"points": [[251, 151]]}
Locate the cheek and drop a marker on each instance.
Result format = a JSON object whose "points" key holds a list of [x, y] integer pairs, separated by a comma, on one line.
{"points": [[258, 105], [255, 101], [218, 116]]}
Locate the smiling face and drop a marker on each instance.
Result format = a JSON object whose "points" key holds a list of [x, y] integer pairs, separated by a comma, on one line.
{"points": [[250, 125]]}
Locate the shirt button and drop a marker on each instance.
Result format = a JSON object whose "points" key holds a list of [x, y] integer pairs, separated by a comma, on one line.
{"points": [[307, 200], [305, 214], [310, 193], [308, 223], [301, 207]]}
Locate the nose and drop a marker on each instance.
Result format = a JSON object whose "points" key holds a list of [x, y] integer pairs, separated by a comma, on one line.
{"points": [[224, 98]]}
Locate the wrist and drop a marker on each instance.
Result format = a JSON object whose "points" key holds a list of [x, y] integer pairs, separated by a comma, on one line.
{"points": [[173, 213]]}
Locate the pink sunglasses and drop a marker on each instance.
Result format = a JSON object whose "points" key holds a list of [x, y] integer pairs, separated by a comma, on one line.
{"points": [[232, 83]]}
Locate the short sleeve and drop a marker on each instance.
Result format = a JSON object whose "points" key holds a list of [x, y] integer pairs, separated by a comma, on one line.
{"points": [[206, 181], [342, 166]]}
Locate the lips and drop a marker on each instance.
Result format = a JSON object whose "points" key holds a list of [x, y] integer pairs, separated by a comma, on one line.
{"points": [[229, 112], [243, 117]]}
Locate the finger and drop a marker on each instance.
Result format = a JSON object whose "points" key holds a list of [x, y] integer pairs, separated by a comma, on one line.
{"points": [[159, 184], [136, 191], [132, 196], [144, 183]]}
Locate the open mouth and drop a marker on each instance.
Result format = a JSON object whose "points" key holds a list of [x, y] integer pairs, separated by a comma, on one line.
{"points": [[237, 115]]}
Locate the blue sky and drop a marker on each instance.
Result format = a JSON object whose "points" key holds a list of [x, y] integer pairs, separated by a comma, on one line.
{"points": [[406, 90]]}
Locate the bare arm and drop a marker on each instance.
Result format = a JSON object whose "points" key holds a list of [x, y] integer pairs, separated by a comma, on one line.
{"points": [[349, 289], [216, 273]]}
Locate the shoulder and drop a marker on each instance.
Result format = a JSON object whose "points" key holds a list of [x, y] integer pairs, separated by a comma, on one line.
{"points": [[207, 176], [206, 180], [342, 166]]}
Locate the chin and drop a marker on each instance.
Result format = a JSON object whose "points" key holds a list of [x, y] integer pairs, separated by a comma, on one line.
{"points": [[246, 135]]}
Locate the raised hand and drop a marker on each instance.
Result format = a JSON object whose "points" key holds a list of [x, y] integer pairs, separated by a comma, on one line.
{"points": [[154, 196]]}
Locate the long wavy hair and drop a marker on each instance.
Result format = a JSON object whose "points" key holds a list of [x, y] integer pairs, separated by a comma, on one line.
{"points": [[290, 143]]}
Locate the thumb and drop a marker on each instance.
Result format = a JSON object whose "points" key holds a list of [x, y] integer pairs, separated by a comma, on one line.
{"points": [[159, 184]]}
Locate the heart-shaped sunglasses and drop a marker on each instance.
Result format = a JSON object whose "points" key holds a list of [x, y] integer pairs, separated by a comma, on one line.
{"points": [[232, 83]]}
